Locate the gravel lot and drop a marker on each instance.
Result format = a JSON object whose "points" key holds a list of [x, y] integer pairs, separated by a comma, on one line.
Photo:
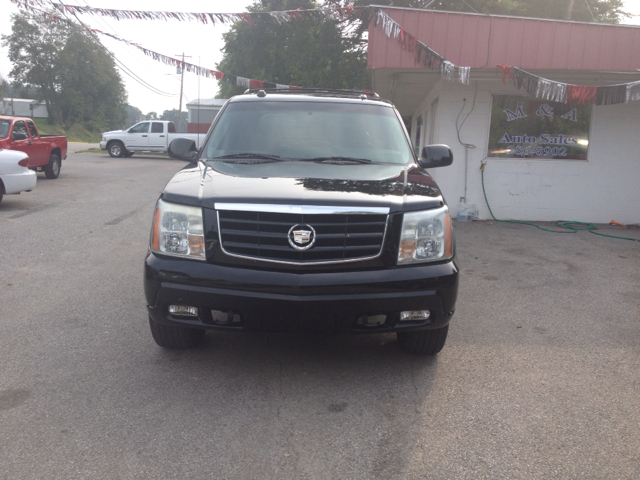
{"points": [[540, 377]]}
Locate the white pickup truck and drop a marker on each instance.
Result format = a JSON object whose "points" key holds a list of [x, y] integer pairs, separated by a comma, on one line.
{"points": [[147, 136]]}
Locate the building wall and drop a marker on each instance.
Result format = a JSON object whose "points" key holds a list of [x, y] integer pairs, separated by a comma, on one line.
{"points": [[601, 189], [21, 108], [198, 127]]}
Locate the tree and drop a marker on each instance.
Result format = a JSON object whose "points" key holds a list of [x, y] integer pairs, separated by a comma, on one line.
{"points": [[33, 49], [134, 115], [90, 87], [70, 70], [308, 52]]}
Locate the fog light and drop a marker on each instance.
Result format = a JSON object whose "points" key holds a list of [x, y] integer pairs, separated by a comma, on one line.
{"points": [[225, 317], [413, 315], [183, 310], [372, 320]]}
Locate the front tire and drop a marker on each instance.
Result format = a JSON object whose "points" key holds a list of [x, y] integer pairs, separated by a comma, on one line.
{"points": [[423, 342], [116, 149], [175, 337], [52, 170]]}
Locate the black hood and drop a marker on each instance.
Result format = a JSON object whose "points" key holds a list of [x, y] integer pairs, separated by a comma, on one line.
{"points": [[399, 187]]}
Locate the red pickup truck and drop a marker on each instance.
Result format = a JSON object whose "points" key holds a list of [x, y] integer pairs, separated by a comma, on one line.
{"points": [[46, 152]]}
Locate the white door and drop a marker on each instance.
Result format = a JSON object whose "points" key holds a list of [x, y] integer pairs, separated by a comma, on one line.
{"points": [[157, 137], [137, 137]]}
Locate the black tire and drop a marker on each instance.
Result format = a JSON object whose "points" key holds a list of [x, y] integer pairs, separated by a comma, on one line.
{"points": [[175, 337], [52, 170], [129, 154], [116, 149], [423, 342]]}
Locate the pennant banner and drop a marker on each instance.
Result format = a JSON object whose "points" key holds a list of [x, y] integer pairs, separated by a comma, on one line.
{"points": [[337, 13], [535, 85], [174, 62], [553, 91], [422, 54]]}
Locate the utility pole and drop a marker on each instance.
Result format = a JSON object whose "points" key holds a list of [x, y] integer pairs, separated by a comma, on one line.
{"points": [[181, 84], [567, 16]]}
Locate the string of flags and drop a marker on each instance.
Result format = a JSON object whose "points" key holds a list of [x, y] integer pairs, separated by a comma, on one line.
{"points": [[279, 17], [422, 54], [189, 67], [535, 85], [553, 91]]}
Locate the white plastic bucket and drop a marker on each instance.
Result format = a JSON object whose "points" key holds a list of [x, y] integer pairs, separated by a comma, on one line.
{"points": [[466, 212]]}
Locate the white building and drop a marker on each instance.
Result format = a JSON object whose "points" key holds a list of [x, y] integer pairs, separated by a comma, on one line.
{"points": [[23, 107], [558, 161], [201, 113]]}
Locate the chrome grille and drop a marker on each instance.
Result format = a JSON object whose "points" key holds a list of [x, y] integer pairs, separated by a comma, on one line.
{"points": [[342, 235]]}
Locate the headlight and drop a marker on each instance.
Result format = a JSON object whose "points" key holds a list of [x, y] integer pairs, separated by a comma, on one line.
{"points": [[104, 139], [426, 236], [178, 231]]}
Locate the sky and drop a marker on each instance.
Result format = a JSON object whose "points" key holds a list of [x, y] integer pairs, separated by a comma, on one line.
{"points": [[202, 43], [144, 77]]}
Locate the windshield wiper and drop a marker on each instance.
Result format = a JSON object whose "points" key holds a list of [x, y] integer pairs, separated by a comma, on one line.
{"points": [[337, 159], [248, 155]]}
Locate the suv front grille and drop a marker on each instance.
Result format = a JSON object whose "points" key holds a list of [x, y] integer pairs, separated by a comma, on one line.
{"points": [[340, 236]]}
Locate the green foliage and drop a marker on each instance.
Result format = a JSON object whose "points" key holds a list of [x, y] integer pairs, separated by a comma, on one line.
{"points": [[69, 70], [134, 114], [310, 52], [90, 86], [74, 133]]}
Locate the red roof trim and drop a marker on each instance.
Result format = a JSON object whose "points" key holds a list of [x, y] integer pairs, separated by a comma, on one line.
{"points": [[484, 41]]}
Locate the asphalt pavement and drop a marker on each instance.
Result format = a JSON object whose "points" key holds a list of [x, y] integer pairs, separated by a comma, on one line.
{"points": [[539, 379]]}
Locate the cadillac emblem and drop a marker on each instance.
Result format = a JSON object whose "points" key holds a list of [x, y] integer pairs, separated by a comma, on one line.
{"points": [[302, 236]]}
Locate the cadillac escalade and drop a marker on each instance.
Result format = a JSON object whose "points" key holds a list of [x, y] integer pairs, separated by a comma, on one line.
{"points": [[303, 209]]}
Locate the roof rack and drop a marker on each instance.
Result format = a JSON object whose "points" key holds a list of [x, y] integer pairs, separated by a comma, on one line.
{"points": [[318, 91]]}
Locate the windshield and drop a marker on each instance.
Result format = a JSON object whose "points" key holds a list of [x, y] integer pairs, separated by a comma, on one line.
{"points": [[4, 128], [301, 130]]}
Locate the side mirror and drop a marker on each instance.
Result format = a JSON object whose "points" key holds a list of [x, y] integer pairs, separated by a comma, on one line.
{"points": [[436, 156], [20, 136], [183, 149]]}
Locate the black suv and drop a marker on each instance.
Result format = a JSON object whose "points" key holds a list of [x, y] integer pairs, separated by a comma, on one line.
{"points": [[303, 209]]}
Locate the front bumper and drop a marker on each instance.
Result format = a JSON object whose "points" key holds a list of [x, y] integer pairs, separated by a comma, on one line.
{"points": [[103, 145], [251, 299]]}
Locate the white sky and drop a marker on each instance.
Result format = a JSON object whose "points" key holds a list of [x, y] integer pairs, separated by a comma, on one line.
{"points": [[171, 38]]}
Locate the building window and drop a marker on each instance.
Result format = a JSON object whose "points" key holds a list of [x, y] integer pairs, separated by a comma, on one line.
{"points": [[523, 127]]}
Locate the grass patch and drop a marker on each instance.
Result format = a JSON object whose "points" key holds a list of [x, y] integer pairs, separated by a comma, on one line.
{"points": [[75, 133]]}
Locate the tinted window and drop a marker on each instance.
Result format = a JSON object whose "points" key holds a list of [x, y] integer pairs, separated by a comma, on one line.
{"points": [[171, 127], [302, 130], [32, 129], [156, 127]]}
